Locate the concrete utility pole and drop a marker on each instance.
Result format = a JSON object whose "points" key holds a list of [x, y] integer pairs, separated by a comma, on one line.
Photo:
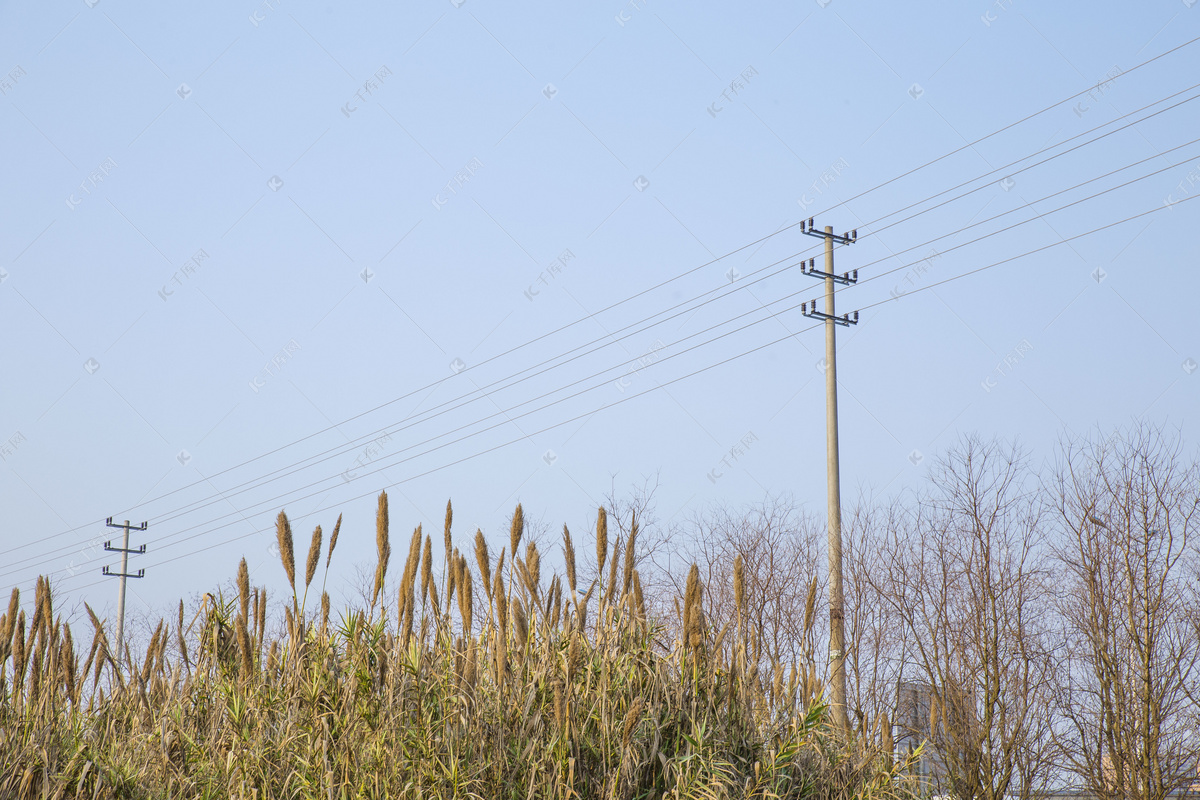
{"points": [[123, 574], [837, 614]]}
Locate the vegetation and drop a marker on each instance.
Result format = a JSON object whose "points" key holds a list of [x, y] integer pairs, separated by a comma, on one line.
{"points": [[488, 681]]}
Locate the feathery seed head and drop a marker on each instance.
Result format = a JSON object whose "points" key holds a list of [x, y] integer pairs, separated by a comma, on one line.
{"points": [[426, 565], [283, 537], [627, 577], [518, 529], [449, 520], [314, 557], [739, 585], [243, 584], [601, 538], [333, 540], [569, 555], [484, 563]]}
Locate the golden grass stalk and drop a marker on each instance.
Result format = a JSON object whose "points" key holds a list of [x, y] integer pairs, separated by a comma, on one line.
{"points": [[520, 624], [613, 566], [243, 640], [601, 539], [383, 546], [533, 569], [484, 563], [627, 577], [427, 567], [810, 607], [283, 537], [333, 540], [631, 719], [243, 585], [692, 599], [446, 530], [569, 556], [314, 557], [517, 529]]}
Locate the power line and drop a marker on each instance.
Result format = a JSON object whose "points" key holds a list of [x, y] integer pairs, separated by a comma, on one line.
{"points": [[227, 493], [643, 292], [668, 383], [677, 277]]}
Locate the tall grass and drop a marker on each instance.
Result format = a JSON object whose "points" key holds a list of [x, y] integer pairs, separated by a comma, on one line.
{"points": [[500, 687]]}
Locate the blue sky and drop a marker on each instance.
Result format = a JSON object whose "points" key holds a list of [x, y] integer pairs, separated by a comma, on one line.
{"points": [[231, 230]]}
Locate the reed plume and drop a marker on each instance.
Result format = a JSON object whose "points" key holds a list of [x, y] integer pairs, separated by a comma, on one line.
{"points": [[283, 537], [484, 563], [382, 545], [517, 529], [569, 556], [314, 557]]}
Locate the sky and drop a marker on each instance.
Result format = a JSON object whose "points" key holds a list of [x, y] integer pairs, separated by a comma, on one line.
{"points": [[282, 256]]}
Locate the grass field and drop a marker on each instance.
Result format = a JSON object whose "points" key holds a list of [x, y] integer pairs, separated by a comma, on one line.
{"points": [[480, 678]]}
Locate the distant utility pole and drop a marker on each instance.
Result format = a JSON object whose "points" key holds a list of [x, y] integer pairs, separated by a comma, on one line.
{"points": [[837, 614], [123, 574]]}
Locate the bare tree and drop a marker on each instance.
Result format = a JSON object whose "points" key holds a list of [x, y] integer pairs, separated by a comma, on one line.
{"points": [[966, 574], [876, 638], [781, 552], [1129, 513]]}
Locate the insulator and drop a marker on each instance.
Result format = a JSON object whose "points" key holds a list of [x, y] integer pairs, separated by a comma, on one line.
{"points": [[855, 275], [856, 316], [854, 234], [810, 223]]}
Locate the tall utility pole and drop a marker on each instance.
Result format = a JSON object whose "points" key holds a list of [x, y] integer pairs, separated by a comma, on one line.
{"points": [[837, 614], [123, 574]]}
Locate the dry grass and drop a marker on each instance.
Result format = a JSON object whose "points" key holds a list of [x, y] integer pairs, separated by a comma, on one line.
{"points": [[533, 702]]}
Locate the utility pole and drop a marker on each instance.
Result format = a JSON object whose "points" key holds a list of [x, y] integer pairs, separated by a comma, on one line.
{"points": [[123, 574], [837, 614]]}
